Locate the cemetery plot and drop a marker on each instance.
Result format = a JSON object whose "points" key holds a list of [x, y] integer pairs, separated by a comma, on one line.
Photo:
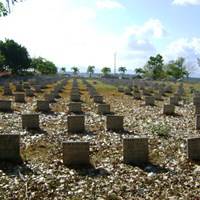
{"points": [[152, 151]]}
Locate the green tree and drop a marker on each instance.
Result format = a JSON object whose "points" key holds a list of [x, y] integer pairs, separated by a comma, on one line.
{"points": [[106, 71], [155, 67], [63, 70], [2, 62], [177, 69], [16, 56], [43, 66], [75, 70], [3, 11], [122, 70], [90, 70], [8, 4], [139, 72]]}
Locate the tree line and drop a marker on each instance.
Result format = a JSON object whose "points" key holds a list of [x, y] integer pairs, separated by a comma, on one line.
{"points": [[16, 59], [154, 69]]}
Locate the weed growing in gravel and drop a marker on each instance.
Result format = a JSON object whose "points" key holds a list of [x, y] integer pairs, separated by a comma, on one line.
{"points": [[162, 130]]}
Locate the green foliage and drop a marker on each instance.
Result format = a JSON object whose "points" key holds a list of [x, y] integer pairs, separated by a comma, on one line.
{"points": [[43, 66], [177, 69], [155, 67], [3, 11], [160, 129], [16, 56], [75, 70], [157, 70], [63, 69], [106, 71], [90, 70], [9, 3], [2, 62], [139, 72], [122, 70]]}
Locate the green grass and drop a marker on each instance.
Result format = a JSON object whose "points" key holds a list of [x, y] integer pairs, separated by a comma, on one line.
{"points": [[102, 87], [161, 130]]}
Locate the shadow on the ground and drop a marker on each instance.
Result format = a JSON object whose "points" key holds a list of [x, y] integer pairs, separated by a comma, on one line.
{"points": [[90, 170], [151, 168], [37, 131], [18, 168]]}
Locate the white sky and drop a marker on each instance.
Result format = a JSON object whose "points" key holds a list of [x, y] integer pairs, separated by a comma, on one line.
{"points": [[89, 32]]}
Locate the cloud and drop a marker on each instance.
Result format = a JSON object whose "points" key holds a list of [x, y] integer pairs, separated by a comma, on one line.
{"points": [[189, 48], [108, 4], [65, 34], [186, 2], [138, 42], [152, 28]]}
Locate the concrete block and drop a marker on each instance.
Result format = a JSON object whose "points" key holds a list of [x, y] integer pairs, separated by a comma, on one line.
{"points": [[135, 150], [10, 148], [5, 105], [193, 148], [76, 153], [43, 106], [19, 97], [114, 123], [74, 107], [103, 109], [76, 124], [168, 109], [30, 121]]}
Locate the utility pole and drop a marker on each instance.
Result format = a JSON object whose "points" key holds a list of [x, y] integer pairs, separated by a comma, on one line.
{"points": [[115, 62]]}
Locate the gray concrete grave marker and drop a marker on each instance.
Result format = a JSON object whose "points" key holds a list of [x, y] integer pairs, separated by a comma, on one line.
{"points": [[19, 97], [135, 150], [76, 124], [43, 106], [30, 121], [5, 105], [168, 109], [193, 148], [103, 109], [114, 123], [74, 107], [10, 148], [76, 153]]}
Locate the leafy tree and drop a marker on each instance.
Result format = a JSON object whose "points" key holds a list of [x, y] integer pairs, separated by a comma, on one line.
{"points": [[122, 70], [139, 72], [3, 11], [9, 3], [90, 70], [155, 67], [177, 69], [2, 62], [105, 71], [16, 56], [75, 70], [63, 70], [43, 66]]}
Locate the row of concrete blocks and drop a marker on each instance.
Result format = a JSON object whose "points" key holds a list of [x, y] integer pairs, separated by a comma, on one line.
{"points": [[43, 106], [150, 100], [29, 92], [75, 123], [135, 150]]}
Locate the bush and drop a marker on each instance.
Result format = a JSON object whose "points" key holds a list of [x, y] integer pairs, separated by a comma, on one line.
{"points": [[162, 130]]}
